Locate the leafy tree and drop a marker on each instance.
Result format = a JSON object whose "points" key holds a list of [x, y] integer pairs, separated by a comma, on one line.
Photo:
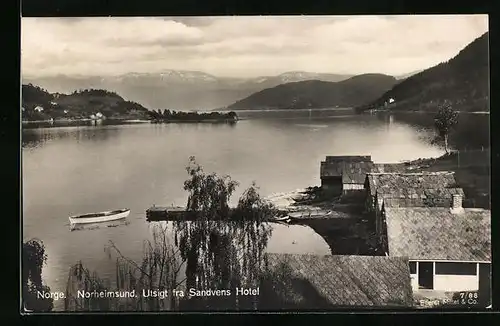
{"points": [[34, 257], [223, 247], [445, 121], [172, 116], [232, 115]]}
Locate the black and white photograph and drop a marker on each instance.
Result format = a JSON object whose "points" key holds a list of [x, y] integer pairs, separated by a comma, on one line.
{"points": [[255, 163]]}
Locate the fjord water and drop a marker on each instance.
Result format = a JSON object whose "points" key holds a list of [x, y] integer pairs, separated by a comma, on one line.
{"points": [[80, 169]]}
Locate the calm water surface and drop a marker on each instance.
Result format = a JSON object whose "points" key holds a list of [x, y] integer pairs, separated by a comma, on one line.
{"points": [[71, 170]]}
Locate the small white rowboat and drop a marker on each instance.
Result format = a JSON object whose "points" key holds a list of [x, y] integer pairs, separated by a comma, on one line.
{"points": [[280, 219], [99, 217], [309, 214]]}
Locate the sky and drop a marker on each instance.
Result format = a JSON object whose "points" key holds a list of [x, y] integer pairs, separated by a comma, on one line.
{"points": [[243, 46]]}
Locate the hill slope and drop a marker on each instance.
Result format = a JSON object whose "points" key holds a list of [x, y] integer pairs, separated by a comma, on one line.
{"points": [[463, 80], [177, 89], [319, 94], [404, 76], [38, 104]]}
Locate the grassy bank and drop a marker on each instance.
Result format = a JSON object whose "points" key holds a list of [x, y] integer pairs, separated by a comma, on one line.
{"points": [[472, 171]]}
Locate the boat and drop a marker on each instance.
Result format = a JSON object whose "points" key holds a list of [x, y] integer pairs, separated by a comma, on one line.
{"points": [[280, 219], [309, 214], [296, 215], [99, 217]]}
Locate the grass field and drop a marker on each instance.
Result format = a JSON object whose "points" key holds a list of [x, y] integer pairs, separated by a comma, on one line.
{"points": [[472, 171]]}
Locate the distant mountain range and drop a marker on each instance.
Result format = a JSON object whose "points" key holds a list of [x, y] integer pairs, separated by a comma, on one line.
{"points": [[463, 81], [350, 92], [173, 89]]}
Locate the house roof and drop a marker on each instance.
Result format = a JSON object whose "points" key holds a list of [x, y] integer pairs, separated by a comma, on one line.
{"points": [[357, 158], [355, 172], [350, 171], [316, 281], [417, 193], [389, 168], [413, 185], [435, 233], [441, 200], [330, 169]]}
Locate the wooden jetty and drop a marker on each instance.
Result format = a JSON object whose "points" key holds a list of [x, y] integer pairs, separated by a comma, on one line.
{"points": [[164, 213], [176, 213]]}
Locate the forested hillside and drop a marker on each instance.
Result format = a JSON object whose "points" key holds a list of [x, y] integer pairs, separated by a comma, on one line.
{"points": [[463, 81], [319, 94], [38, 104]]}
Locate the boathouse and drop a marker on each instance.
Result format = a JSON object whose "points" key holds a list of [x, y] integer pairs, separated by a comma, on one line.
{"points": [[343, 174], [302, 281], [425, 189], [449, 248]]}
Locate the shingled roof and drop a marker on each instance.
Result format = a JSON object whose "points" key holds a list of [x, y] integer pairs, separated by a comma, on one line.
{"points": [[347, 158], [389, 168], [413, 185], [350, 171], [435, 233], [355, 172], [353, 169], [409, 197], [331, 169], [317, 281]]}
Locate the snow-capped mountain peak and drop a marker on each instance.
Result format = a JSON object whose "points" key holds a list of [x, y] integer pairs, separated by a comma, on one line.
{"points": [[188, 75], [173, 76], [293, 76]]}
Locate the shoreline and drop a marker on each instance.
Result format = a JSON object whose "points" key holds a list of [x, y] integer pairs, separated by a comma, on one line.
{"points": [[195, 121], [334, 219], [125, 121], [290, 200], [389, 111], [292, 110], [118, 121], [83, 120], [428, 112]]}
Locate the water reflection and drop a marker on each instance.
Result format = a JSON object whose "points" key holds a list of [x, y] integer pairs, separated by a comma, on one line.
{"points": [[296, 239], [100, 225], [79, 123], [295, 114], [471, 132], [32, 138], [35, 137]]}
